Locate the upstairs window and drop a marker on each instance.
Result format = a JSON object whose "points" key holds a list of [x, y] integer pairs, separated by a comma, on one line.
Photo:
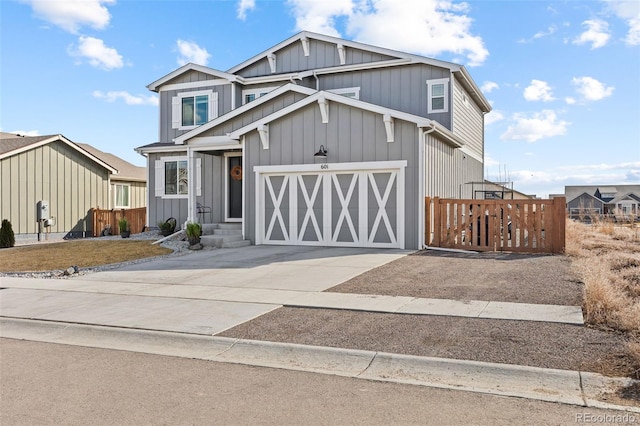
{"points": [[192, 109], [349, 92], [251, 95], [438, 95]]}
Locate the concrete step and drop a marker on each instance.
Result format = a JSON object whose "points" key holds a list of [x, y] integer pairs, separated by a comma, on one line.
{"points": [[236, 244], [227, 232], [230, 226], [219, 240], [209, 228]]}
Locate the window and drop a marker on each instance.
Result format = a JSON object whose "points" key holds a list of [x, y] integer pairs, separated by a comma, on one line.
{"points": [[349, 92], [176, 178], [253, 94], [122, 196], [192, 109], [172, 177], [438, 95]]}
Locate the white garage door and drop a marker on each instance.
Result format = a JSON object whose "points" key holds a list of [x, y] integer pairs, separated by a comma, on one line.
{"points": [[343, 204]]}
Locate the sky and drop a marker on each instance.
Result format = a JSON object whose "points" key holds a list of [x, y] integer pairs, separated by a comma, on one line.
{"points": [[563, 77]]}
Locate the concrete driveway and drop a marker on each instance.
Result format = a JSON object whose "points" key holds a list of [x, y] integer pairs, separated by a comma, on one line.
{"points": [[186, 293]]}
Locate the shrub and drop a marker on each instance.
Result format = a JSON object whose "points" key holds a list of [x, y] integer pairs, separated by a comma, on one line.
{"points": [[194, 230], [7, 238], [123, 224]]}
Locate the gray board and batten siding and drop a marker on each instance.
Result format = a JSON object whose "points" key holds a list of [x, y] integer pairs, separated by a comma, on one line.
{"points": [[322, 54], [351, 135], [72, 183], [167, 133]]}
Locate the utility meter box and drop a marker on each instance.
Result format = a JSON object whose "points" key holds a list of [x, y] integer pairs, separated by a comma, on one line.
{"points": [[42, 210], [50, 222]]}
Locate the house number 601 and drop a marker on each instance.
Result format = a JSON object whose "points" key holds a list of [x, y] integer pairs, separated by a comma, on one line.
{"points": [[324, 166]]}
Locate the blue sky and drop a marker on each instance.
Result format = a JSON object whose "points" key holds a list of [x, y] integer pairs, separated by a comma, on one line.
{"points": [[563, 77]]}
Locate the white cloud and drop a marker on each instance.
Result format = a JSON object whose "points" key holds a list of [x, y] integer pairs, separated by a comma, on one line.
{"points": [[424, 27], [591, 89], [628, 10], [26, 132], [569, 100], [538, 90], [597, 33], [99, 55], [539, 125], [552, 29], [489, 161], [128, 98], [489, 86], [189, 51], [70, 15], [244, 6], [493, 117]]}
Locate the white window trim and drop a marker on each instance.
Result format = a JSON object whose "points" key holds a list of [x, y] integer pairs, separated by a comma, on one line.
{"points": [[159, 181], [115, 195], [345, 90], [256, 92], [176, 108], [430, 84]]}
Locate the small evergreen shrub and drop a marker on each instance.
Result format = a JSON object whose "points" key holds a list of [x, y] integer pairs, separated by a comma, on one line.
{"points": [[7, 238]]}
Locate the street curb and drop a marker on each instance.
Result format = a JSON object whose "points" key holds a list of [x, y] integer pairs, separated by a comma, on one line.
{"points": [[563, 386]]}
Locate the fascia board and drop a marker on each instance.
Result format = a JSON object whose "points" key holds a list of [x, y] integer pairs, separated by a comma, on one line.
{"points": [[190, 67], [240, 110], [67, 142], [347, 43], [167, 148], [466, 78]]}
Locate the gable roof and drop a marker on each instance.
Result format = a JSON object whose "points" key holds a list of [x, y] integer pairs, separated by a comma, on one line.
{"points": [[11, 146], [598, 200], [622, 197], [402, 58], [126, 170], [190, 67]]}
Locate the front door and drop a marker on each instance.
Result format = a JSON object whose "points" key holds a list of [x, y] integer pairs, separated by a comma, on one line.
{"points": [[234, 187]]}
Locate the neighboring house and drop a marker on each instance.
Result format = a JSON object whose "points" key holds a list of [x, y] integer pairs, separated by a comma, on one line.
{"points": [[128, 188], [316, 141], [72, 178], [620, 201]]}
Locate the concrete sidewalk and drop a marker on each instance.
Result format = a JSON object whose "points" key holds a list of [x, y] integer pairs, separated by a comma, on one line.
{"points": [[188, 294]]}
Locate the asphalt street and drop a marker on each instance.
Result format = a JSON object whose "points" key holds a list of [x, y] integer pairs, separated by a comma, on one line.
{"points": [[51, 384]]}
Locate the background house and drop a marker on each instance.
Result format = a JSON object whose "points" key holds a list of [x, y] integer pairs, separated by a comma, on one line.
{"points": [[316, 141], [619, 202], [72, 178]]}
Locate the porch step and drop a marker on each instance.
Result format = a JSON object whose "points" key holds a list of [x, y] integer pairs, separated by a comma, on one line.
{"points": [[236, 226], [221, 241], [227, 232], [236, 244]]}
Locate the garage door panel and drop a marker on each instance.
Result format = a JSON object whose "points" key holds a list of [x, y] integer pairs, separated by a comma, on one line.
{"points": [[350, 208]]}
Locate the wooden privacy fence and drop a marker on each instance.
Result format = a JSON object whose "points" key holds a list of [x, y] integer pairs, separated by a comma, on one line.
{"points": [[108, 219], [527, 226]]}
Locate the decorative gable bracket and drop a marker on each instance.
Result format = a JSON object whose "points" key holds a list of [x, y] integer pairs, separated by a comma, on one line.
{"points": [[342, 54], [305, 45], [324, 109], [389, 127], [271, 57], [263, 131]]}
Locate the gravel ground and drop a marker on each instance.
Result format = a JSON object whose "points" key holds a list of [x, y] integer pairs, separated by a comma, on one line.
{"points": [[496, 277], [529, 343], [434, 274]]}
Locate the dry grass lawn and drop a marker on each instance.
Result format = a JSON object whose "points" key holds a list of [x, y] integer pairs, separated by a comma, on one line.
{"points": [[81, 253], [607, 260]]}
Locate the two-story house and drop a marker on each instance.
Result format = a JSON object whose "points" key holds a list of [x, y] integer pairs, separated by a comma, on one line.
{"points": [[316, 141]]}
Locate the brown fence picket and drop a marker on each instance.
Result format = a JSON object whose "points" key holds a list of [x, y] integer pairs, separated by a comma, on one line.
{"points": [[525, 226], [108, 219]]}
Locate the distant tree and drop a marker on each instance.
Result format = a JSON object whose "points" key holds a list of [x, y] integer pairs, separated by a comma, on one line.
{"points": [[7, 238]]}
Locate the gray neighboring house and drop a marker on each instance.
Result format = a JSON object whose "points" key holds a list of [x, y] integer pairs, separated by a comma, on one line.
{"points": [[619, 201], [316, 141], [72, 178]]}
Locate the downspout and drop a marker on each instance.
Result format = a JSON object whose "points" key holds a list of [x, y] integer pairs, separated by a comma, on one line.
{"points": [[421, 183]]}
